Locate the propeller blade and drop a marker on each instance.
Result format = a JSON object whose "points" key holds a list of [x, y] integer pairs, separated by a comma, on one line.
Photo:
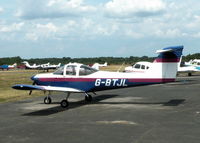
{"points": [[30, 92]]}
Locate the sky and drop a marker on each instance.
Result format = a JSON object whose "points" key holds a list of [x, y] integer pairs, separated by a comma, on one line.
{"points": [[96, 28]]}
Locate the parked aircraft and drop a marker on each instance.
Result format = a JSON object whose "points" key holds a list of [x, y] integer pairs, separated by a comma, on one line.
{"points": [[139, 67], [79, 78], [144, 66], [188, 68], [97, 65], [48, 66], [28, 66], [7, 67], [195, 62]]}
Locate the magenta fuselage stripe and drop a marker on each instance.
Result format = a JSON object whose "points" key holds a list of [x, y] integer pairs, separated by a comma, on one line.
{"points": [[152, 80], [68, 79], [94, 79], [161, 60]]}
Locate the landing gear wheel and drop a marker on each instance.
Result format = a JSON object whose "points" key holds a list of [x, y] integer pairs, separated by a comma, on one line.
{"points": [[64, 103], [189, 74], [47, 100], [88, 98]]}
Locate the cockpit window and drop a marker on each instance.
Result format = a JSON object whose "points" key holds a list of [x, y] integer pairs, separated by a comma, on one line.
{"points": [[85, 70], [143, 67], [71, 70], [137, 66], [59, 71]]}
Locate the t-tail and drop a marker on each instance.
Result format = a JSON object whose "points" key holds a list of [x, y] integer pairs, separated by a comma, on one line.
{"points": [[165, 65]]}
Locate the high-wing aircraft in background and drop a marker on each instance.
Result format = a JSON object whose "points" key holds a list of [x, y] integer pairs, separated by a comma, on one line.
{"points": [[79, 78], [28, 66], [188, 68], [144, 66], [97, 65], [48, 66]]}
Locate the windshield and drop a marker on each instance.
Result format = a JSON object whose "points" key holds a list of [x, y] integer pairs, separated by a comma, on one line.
{"points": [[59, 71], [71, 70], [85, 70]]}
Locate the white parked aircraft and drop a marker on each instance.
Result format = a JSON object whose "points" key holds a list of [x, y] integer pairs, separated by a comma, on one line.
{"points": [[195, 62], [48, 66], [139, 67], [189, 67], [97, 65], [28, 66]]}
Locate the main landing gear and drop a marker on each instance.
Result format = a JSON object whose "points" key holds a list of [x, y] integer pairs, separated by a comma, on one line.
{"points": [[64, 103], [88, 97]]}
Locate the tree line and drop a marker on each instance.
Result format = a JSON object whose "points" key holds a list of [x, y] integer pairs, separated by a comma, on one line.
{"points": [[88, 61]]}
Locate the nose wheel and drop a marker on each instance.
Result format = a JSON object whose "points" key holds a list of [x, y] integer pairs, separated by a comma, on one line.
{"points": [[47, 100]]}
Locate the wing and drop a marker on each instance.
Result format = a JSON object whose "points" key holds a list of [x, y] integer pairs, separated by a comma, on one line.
{"points": [[45, 88]]}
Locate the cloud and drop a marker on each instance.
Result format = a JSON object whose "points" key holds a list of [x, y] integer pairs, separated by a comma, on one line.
{"points": [[134, 8], [42, 31], [11, 28], [35, 9], [1, 10]]}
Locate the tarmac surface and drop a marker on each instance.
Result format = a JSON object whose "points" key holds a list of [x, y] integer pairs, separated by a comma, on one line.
{"points": [[163, 113]]}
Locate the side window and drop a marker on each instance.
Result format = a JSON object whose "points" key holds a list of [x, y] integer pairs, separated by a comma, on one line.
{"points": [[147, 68], [71, 70], [143, 67], [137, 66], [85, 70], [59, 71]]}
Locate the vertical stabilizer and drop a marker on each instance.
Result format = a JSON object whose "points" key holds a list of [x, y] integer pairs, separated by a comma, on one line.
{"points": [[166, 64]]}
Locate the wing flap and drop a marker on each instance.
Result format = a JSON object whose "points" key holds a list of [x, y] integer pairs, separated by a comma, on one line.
{"points": [[45, 88]]}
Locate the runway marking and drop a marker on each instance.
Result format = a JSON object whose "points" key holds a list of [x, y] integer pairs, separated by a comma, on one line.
{"points": [[120, 122]]}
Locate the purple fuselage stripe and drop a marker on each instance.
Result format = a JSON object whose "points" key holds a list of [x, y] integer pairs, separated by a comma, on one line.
{"points": [[94, 79]]}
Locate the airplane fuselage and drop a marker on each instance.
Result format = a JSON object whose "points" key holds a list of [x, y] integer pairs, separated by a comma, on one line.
{"points": [[92, 83]]}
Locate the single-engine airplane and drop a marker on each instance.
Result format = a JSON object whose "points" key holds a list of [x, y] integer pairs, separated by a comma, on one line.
{"points": [[7, 67], [28, 66], [79, 78], [97, 65], [187, 68]]}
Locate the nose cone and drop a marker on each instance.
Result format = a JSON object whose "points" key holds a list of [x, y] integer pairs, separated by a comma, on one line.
{"points": [[33, 78]]}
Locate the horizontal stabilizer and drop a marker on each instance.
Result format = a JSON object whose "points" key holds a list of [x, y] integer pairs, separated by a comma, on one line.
{"points": [[163, 51]]}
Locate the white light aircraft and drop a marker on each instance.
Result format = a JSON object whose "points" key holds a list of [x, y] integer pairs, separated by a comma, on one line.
{"points": [[189, 67], [79, 78], [28, 66], [97, 65]]}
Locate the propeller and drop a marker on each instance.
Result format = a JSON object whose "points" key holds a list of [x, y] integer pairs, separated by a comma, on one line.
{"points": [[32, 90]]}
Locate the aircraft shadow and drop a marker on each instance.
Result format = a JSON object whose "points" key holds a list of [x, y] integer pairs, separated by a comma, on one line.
{"points": [[98, 100], [53, 110]]}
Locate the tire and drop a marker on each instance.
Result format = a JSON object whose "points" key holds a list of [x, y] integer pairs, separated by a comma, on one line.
{"points": [[88, 98], [64, 103], [189, 74], [47, 100]]}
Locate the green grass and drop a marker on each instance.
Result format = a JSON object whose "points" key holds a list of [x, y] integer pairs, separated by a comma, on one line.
{"points": [[10, 78]]}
